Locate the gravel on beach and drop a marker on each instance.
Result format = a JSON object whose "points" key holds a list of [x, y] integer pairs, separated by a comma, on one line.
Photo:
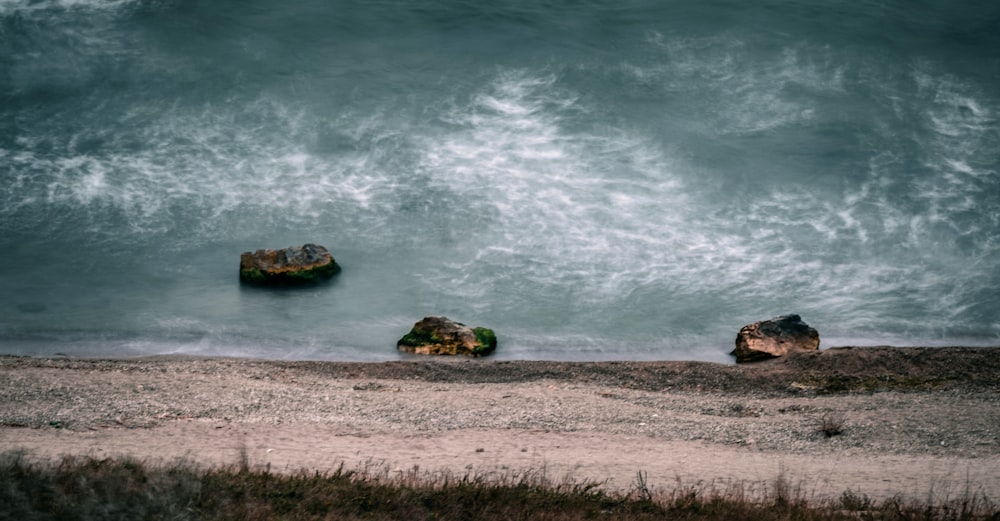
{"points": [[940, 401]]}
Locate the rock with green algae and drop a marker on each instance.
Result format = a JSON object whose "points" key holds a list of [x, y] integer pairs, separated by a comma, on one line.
{"points": [[441, 336], [295, 265]]}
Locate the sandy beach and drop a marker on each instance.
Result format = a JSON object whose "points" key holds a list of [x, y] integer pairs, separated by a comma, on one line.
{"points": [[914, 422]]}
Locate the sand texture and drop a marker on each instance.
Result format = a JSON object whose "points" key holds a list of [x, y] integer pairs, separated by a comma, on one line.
{"points": [[914, 421]]}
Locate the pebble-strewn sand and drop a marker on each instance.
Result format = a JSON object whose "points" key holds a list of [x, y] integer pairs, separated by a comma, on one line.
{"points": [[915, 421]]}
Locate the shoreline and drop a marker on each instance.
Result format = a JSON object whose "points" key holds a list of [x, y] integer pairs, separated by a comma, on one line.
{"points": [[912, 420]]}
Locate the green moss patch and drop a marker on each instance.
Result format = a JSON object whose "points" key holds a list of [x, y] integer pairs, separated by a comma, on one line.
{"points": [[418, 337], [486, 340]]}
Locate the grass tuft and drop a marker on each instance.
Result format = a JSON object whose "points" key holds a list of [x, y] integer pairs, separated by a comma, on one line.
{"points": [[831, 425]]}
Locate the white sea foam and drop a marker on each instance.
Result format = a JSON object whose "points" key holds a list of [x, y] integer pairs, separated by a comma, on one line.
{"points": [[927, 215], [27, 6], [560, 211], [607, 238], [195, 161], [744, 93]]}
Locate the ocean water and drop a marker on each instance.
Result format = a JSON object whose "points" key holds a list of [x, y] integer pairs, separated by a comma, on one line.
{"points": [[628, 179]]}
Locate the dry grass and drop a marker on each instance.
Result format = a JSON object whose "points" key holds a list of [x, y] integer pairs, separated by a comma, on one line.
{"points": [[831, 424], [109, 489]]}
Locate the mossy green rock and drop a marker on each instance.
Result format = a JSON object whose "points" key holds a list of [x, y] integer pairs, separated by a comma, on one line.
{"points": [[292, 266], [441, 336]]}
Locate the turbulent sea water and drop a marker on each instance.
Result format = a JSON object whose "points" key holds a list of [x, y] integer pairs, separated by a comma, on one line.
{"points": [[628, 179]]}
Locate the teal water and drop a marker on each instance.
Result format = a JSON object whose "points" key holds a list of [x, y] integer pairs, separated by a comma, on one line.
{"points": [[593, 180]]}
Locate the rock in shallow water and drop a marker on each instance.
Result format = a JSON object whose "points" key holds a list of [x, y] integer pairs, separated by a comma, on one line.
{"points": [[295, 265], [774, 338], [441, 336]]}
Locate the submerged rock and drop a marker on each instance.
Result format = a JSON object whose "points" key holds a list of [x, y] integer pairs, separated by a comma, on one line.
{"points": [[295, 265], [441, 336], [774, 338]]}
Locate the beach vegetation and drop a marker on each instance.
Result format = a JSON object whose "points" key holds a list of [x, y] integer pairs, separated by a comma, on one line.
{"points": [[830, 425], [111, 489]]}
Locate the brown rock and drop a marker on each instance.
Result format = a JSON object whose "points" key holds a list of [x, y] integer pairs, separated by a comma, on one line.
{"points": [[309, 263], [774, 338], [441, 336]]}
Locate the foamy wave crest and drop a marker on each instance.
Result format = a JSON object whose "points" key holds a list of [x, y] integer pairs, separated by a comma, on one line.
{"points": [[568, 207], [889, 245], [587, 226], [8, 7], [205, 170], [741, 91], [960, 149], [875, 253], [614, 225]]}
